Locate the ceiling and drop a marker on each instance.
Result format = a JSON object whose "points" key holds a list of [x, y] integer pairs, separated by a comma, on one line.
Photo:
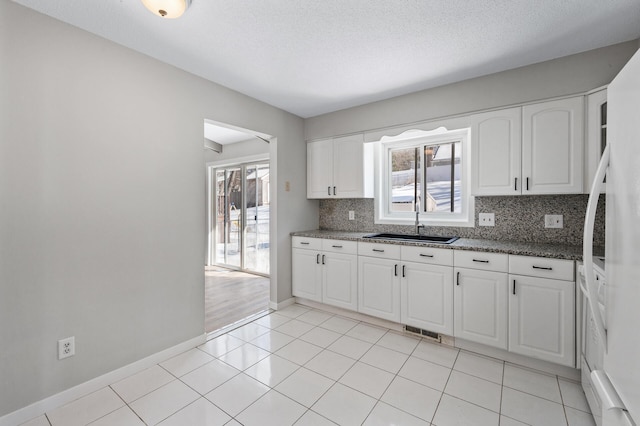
{"points": [[311, 57]]}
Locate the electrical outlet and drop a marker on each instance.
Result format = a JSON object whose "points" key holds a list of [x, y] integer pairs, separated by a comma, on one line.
{"points": [[66, 347], [487, 219], [352, 215], [553, 221]]}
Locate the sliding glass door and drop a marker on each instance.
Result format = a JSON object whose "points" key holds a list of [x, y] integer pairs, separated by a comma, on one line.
{"points": [[256, 229], [241, 231]]}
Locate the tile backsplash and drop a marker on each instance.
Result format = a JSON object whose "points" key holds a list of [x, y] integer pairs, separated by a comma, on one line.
{"points": [[518, 218]]}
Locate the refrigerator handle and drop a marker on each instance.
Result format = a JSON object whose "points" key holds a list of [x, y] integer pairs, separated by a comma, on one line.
{"points": [[587, 245], [605, 390]]}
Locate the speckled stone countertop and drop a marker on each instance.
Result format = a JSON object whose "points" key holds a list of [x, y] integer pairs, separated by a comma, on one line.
{"points": [[555, 251]]}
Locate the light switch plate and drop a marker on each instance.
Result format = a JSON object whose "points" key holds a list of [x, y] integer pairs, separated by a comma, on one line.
{"points": [[553, 221], [352, 215], [487, 219]]}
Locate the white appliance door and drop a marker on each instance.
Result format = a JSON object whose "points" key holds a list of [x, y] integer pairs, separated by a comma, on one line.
{"points": [[622, 357]]}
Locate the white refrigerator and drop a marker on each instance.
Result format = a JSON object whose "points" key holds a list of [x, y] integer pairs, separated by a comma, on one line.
{"points": [[618, 382]]}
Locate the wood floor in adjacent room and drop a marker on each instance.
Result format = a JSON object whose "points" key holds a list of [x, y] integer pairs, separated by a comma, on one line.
{"points": [[231, 296]]}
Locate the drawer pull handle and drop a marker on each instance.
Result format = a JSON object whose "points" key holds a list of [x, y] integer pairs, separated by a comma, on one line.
{"points": [[304, 243], [546, 268], [458, 278], [395, 270], [515, 186], [318, 259], [514, 286], [323, 259], [403, 271], [480, 261], [425, 255], [328, 190], [336, 246], [334, 190], [378, 250], [527, 184]]}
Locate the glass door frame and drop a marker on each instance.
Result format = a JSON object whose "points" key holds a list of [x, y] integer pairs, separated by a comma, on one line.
{"points": [[212, 191]]}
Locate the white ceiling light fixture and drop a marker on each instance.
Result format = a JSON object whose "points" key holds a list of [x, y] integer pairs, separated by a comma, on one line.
{"points": [[167, 8]]}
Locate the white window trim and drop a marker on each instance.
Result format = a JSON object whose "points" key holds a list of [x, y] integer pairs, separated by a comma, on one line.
{"points": [[383, 186]]}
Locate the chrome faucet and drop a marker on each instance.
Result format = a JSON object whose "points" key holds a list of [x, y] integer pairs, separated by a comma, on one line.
{"points": [[417, 224]]}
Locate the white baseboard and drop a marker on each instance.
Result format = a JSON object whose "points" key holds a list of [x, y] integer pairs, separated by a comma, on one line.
{"points": [[40, 407], [283, 304]]}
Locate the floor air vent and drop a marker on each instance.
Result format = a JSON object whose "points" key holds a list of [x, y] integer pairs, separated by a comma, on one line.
{"points": [[423, 333]]}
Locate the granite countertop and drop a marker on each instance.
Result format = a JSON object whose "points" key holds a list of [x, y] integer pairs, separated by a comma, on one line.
{"points": [[555, 251]]}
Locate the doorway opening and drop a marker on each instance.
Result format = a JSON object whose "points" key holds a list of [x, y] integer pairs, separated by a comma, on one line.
{"points": [[237, 266]]}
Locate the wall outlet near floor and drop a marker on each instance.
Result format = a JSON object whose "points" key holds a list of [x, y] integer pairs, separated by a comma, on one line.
{"points": [[352, 215], [553, 221], [487, 219], [66, 347]]}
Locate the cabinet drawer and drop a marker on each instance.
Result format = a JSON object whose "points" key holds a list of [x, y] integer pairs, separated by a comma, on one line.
{"points": [[340, 246], [429, 255], [558, 269], [306, 243], [498, 262], [385, 251]]}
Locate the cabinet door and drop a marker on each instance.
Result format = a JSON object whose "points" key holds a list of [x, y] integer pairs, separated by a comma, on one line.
{"points": [[379, 287], [320, 169], [306, 274], [552, 147], [348, 163], [480, 306], [541, 319], [426, 293], [340, 280], [596, 135], [496, 146]]}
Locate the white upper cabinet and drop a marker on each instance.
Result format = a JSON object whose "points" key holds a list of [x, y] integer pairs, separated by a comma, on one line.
{"points": [[596, 135], [496, 150], [319, 168], [340, 168], [534, 149], [552, 147]]}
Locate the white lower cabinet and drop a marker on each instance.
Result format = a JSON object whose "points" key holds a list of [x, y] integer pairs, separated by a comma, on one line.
{"points": [[306, 274], [426, 297], [480, 306], [541, 319], [325, 271], [417, 292], [542, 308], [379, 287], [339, 278]]}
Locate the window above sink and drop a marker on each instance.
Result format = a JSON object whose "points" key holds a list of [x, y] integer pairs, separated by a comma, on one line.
{"points": [[424, 172]]}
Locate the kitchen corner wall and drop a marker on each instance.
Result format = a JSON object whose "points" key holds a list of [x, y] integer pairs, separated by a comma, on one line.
{"points": [[517, 219]]}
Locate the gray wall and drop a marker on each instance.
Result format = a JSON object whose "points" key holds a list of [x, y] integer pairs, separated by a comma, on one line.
{"points": [[102, 214], [558, 77]]}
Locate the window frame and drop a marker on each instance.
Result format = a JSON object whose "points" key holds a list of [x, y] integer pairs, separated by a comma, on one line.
{"points": [[421, 138]]}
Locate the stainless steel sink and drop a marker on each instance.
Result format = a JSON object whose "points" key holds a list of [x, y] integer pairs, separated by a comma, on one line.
{"points": [[412, 237]]}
